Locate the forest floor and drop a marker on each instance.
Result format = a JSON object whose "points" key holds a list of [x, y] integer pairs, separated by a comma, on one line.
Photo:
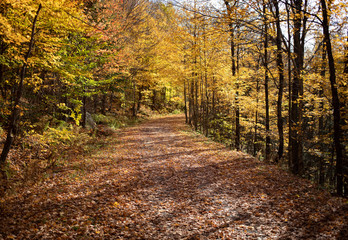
{"points": [[160, 180]]}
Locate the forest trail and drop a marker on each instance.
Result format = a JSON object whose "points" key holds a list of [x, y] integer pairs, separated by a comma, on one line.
{"points": [[159, 180]]}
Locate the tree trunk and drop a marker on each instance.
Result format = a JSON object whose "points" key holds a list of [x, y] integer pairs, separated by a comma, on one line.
{"points": [[140, 96], [103, 110], [280, 68], [268, 138], [233, 68], [321, 180], [335, 100], [12, 128], [95, 103], [3, 48], [2, 87], [289, 86], [154, 96], [111, 101], [207, 106], [213, 105], [185, 100], [202, 109], [237, 104], [134, 109], [256, 117], [196, 116], [191, 103], [84, 112], [297, 93], [346, 58]]}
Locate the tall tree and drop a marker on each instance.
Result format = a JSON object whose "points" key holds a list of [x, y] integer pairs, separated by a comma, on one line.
{"points": [[280, 69], [265, 46], [230, 5], [13, 123], [299, 33], [335, 99]]}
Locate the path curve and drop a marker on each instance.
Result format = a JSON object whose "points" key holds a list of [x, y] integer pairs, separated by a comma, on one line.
{"points": [[160, 180]]}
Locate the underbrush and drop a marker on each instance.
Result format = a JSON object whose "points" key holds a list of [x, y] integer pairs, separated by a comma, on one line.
{"points": [[117, 122], [50, 145]]}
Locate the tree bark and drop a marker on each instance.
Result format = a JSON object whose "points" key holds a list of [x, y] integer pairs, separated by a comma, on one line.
{"points": [[140, 96], [104, 103], [207, 105], [185, 100], [321, 180], [84, 111], [196, 113], [111, 100], [268, 138], [297, 92], [346, 58], [134, 108], [256, 117], [3, 48], [280, 68], [289, 85], [233, 68], [335, 100], [12, 128], [191, 103]]}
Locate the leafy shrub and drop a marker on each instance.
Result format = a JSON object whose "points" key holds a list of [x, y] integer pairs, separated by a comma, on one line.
{"points": [[56, 141], [176, 111], [39, 152], [116, 124], [1, 132], [103, 119]]}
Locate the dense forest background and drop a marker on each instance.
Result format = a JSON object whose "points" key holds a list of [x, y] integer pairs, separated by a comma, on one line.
{"points": [[265, 77]]}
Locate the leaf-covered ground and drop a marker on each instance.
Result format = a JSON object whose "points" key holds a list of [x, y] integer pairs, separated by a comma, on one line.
{"points": [[159, 180]]}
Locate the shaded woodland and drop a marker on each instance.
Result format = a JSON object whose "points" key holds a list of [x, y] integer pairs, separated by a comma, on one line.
{"points": [[268, 78]]}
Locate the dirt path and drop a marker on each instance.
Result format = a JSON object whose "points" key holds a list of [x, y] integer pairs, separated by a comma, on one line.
{"points": [[159, 180]]}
